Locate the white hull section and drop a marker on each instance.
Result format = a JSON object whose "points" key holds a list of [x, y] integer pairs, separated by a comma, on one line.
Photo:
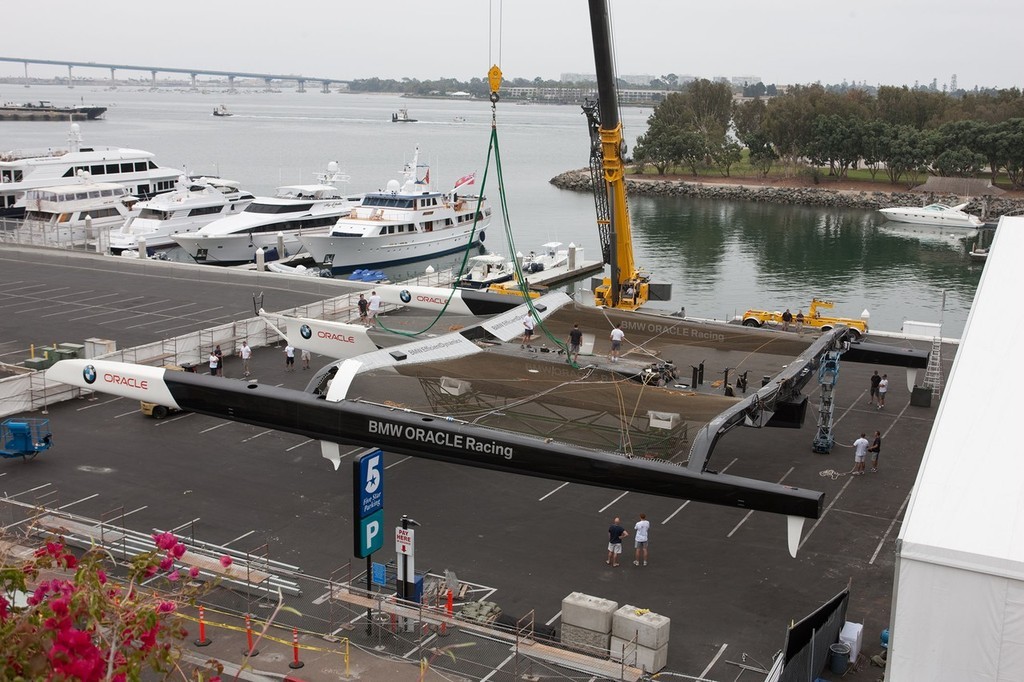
{"points": [[349, 253]]}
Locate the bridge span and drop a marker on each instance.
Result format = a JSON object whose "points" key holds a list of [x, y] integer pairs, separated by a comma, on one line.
{"points": [[268, 78]]}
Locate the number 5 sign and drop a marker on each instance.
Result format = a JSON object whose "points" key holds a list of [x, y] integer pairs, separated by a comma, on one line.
{"points": [[368, 500]]}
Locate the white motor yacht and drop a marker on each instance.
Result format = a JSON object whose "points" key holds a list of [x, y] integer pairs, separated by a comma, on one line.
{"points": [[65, 214], [403, 223], [22, 170], [934, 214], [485, 270], [195, 203], [271, 223]]}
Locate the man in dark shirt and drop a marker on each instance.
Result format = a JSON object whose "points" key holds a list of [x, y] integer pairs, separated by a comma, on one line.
{"points": [[875, 448], [787, 317], [575, 341], [875, 380], [615, 534]]}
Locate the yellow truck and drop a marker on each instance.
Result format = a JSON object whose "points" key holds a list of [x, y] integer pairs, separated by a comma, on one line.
{"points": [[813, 318], [161, 411]]}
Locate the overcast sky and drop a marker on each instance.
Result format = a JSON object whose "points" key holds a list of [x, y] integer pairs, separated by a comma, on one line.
{"points": [[793, 41]]}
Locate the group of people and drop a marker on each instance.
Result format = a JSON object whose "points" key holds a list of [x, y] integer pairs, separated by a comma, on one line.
{"points": [[879, 387], [216, 360], [862, 447], [616, 534], [368, 308], [788, 318], [289, 358], [575, 341]]}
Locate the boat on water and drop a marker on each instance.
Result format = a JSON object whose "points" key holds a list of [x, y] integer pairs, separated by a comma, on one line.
{"points": [[45, 110], [402, 116], [221, 110], [75, 213], [272, 223], [978, 254], [552, 256], [22, 170], [193, 204], [485, 270], [934, 214], [404, 223]]}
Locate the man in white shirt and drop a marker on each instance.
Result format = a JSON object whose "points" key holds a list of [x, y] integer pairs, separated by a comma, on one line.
{"points": [[527, 329], [641, 529], [374, 307], [860, 452], [617, 336], [245, 352], [289, 358]]}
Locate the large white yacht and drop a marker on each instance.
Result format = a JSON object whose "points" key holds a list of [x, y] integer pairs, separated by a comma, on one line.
{"points": [[22, 170], [271, 222], [403, 223], [934, 214], [66, 214], [194, 203]]}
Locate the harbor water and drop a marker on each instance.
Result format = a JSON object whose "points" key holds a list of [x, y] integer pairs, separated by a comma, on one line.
{"points": [[721, 257]]}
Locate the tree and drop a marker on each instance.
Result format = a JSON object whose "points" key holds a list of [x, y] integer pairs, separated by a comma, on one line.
{"points": [[835, 141], [905, 151], [761, 153], [1012, 139], [873, 141], [726, 154]]}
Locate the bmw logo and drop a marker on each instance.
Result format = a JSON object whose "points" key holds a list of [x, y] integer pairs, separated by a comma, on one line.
{"points": [[305, 331], [405, 295], [89, 374]]}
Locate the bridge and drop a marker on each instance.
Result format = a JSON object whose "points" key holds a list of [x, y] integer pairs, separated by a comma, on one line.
{"points": [[267, 78]]}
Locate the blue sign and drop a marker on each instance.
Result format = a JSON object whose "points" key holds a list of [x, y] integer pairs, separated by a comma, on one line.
{"points": [[371, 535], [370, 484], [379, 576]]}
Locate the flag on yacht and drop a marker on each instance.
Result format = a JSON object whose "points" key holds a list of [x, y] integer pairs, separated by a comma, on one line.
{"points": [[465, 180]]}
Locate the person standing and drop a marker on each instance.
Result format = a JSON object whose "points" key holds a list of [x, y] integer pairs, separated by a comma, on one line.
{"points": [[364, 308], [800, 322], [245, 353], [883, 388], [305, 358], [615, 534], [575, 341], [787, 317], [860, 451], [214, 363], [527, 330], [373, 308], [220, 360], [876, 380], [641, 529], [289, 358], [617, 336], [874, 449]]}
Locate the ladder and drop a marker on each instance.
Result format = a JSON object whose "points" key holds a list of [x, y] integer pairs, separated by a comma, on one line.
{"points": [[933, 372]]}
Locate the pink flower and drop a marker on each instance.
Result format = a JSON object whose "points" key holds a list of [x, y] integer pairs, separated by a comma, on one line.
{"points": [[193, 572], [173, 576], [178, 550], [226, 561], [166, 563], [101, 576], [167, 607], [165, 540]]}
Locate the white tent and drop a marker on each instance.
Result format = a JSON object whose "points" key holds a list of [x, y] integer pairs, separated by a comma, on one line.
{"points": [[958, 602]]}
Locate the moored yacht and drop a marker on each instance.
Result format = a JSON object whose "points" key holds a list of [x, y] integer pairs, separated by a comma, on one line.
{"points": [[934, 214], [403, 223], [22, 170], [271, 222], [66, 214], [195, 203]]}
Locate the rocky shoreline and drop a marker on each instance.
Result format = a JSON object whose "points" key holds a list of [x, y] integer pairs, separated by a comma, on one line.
{"points": [[579, 181]]}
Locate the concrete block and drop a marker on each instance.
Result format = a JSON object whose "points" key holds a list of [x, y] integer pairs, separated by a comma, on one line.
{"points": [[585, 611], [587, 641], [651, 629], [651, 660]]}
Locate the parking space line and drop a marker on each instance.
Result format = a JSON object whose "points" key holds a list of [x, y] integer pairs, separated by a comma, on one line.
{"points": [[499, 667], [243, 535], [97, 404], [262, 433], [683, 505], [77, 501], [554, 618], [748, 514], [178, 418], [721, 650], [613, 502], [406, 459], [145, 506], [125, 414], [553, 491], [177, 528], [305, 442], [888, 530], [215, 427]]}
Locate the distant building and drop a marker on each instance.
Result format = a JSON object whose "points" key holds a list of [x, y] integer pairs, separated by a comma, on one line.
{"points": [[744, 81]]}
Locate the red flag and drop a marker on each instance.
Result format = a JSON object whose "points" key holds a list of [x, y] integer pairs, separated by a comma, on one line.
{"points": [[465, 180]]}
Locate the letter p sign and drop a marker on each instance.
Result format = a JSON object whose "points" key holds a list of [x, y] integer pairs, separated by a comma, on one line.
{"points": [[370, 537]]}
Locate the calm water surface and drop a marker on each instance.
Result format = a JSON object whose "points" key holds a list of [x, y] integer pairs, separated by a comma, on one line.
{"points": [[721, 257]]}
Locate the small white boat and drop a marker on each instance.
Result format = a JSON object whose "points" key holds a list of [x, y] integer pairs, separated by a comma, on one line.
{"points": [[402, 116], [221, 110], [298, 270], [195, 203], [271, 223], [403, 223], [485, 270], [552, 256], [978, 254], [75, 213], [934, 214]]}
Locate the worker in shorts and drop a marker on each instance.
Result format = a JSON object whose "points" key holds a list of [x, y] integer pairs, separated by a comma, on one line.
{"points": [[527, 330], [575, 341], [615, 534]]}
